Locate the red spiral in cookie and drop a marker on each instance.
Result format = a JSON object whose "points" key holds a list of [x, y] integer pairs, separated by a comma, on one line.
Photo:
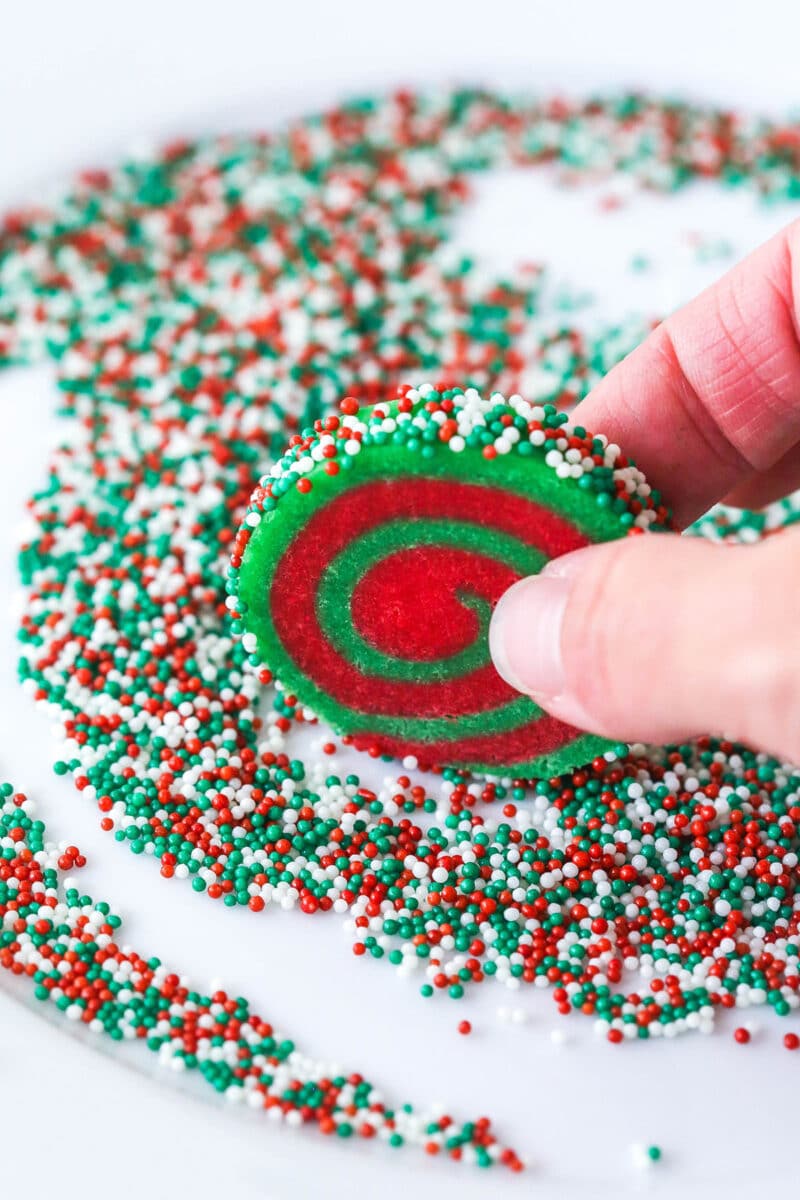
{"points": [[406, 584]]}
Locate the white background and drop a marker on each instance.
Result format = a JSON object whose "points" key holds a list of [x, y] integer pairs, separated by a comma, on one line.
{"points": [[78, 82]]}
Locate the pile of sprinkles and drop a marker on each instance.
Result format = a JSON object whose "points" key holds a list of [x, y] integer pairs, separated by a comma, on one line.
{"points": [[204, 304], [371, 554]]}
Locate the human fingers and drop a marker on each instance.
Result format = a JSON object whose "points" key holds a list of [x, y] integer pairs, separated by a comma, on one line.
{"points": [[712, 398]]}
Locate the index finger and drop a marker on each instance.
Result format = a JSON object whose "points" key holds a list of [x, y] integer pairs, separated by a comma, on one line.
{"points": [[712, 396]]}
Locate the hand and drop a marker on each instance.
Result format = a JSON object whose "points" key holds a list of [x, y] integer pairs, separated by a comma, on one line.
{"points": [[659, 638]]}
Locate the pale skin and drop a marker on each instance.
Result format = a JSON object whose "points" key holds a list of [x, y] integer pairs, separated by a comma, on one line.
{"points": [[660, 638]]}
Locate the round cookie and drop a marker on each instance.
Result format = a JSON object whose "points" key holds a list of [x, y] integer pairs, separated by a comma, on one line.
{"points": [[371, 556]]}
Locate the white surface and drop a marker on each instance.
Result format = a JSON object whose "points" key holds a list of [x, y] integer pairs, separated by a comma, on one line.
{"points": [[93, 78]]}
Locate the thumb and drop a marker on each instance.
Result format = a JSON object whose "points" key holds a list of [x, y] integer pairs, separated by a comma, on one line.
{"points": [[659, 638]]}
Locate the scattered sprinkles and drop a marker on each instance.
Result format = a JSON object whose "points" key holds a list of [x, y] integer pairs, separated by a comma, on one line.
{"points": [[68, 946], [204, 304]]}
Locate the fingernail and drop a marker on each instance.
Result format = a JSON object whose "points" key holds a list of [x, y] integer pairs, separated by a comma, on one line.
{"points": [[525, 635]]}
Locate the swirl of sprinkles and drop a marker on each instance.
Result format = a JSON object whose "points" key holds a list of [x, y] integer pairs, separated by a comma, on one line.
{"points": [[207, 303]]}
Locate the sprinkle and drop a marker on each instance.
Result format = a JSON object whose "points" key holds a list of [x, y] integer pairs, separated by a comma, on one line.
{"points": [[644, 1156]]}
